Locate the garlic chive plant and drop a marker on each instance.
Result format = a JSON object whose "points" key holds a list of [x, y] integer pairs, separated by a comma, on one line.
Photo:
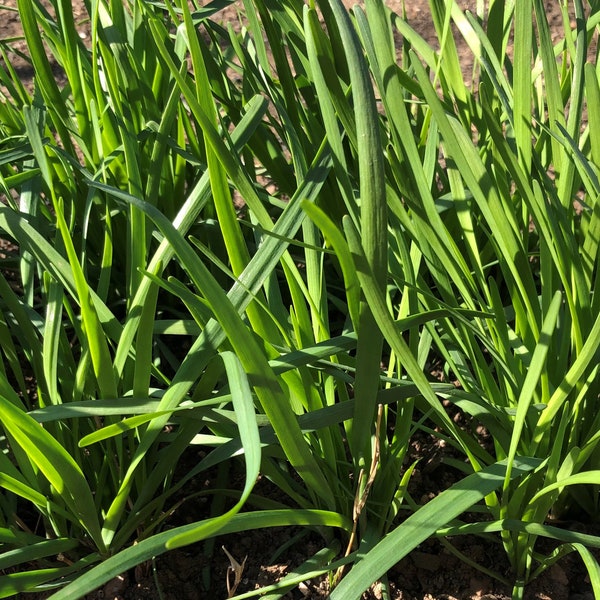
{"points": [[258, 237]]}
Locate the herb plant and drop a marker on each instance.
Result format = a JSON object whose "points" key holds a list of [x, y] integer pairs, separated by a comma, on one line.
{"points": [[260, 239]]}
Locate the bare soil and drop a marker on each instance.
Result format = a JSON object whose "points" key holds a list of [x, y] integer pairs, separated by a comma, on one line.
{"points": [[431, 572]]}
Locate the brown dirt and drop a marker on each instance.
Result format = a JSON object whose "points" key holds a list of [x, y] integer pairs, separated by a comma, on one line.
{"points": [[431, 572]]}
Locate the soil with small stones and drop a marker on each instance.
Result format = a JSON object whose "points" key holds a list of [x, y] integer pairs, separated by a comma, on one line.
{"points": [[430, 572]]}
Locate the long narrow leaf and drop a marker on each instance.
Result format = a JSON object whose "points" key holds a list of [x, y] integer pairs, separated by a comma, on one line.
{"points": [[422, 524]]}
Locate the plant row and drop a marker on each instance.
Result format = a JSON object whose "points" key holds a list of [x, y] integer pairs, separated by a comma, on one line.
{"points": [[260, 238]]}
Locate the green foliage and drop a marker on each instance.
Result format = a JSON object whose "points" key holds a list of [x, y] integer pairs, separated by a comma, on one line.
{"points": [[218, 235]]}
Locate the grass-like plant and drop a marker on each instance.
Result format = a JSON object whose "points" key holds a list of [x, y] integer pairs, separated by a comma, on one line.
{"points": [[505, 224], [385, 213], [117, 183]]}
